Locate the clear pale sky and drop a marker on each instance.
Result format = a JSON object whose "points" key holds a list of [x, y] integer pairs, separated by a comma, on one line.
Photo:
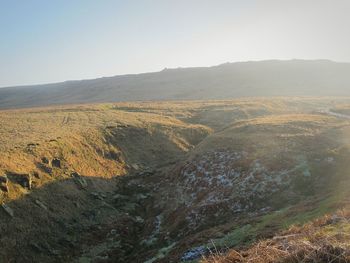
{"points": [[45, 41]]}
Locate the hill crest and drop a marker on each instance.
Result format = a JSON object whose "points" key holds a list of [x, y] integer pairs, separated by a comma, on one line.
{"points": [[225, 81]]}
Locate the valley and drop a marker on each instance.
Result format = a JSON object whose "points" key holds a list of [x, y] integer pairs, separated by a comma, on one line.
{"points": [[168, 181]]}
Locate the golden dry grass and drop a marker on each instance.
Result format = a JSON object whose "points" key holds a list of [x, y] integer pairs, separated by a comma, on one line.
{"points": [[106, 140], [325, 239]]}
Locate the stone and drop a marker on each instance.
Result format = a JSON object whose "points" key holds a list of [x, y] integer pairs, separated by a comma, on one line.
{"points": [[194, 253], [336, 219], [113, 155], [56, 163], [37, 247], [45, 160], [40, 204], [96, 196], [119, 197], [135, 166], [4, 183], [82, 182], [146, 173], [79, 180], [139, 219], [8, 210], [141, 196], [35, 174], [24, 180]]}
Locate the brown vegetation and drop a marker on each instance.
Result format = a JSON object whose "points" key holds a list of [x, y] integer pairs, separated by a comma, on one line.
{"points": [[152, 180], [325, 239]]}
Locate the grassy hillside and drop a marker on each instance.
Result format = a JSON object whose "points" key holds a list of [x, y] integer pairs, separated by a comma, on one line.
{"points": [[171, 181], [325, 239]]}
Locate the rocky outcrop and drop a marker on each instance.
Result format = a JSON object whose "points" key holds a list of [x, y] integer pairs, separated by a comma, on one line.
{"points": [[4, 183], [24, 180], [79, 180], [56, 163]]}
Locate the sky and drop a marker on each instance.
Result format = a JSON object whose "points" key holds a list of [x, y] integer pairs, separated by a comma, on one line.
{"points": [[45, 41]]}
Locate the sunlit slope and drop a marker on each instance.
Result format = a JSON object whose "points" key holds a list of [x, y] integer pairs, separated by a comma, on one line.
{"points": [[166, 181], [62, 163]]}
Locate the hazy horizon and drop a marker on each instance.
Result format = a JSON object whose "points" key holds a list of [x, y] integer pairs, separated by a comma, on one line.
{"points": [[49, 42], [168, 68]]}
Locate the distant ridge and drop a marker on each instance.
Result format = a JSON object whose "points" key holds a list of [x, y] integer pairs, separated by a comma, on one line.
{"points": [[225, 81]]}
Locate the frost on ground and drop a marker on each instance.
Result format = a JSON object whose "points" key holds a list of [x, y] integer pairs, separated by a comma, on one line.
{"points": [[234, 181]]}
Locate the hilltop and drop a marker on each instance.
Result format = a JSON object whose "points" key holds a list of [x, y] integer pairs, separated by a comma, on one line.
{"points": [[226, 81]]}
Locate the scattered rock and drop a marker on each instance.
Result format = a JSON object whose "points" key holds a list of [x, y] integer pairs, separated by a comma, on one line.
{"points": [[8, 210], [31, 147], [40, 204], [97, 196], [35, 174], [36, 248], [4, 183], [194, 253], [56, 163], [265, 209], [329, 159], [44, 248], [146, 173], [141, 196], [118, 197], [79, 180], [285, 237], [113, 155], [24, 180], [336, 219], [43, 167], [45, 160], [135, 166], [139, 219]]}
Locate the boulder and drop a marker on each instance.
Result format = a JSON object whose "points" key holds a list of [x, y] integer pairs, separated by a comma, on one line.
{"points": [[139, 219], [35, 174], [194, 253], [8, 210], [56, 163], [40, 204], [79, 180], [4, 183], [45, 160], [97, 195], [24, 180], [135, 166]]}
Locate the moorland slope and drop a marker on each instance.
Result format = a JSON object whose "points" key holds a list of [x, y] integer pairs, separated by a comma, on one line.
{"points": [[230, 80], [170, 181]]}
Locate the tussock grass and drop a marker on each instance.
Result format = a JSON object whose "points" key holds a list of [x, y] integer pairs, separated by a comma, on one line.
{"points": [[325, 239]]}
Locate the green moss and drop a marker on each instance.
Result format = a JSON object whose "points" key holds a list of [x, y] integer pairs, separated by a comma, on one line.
{"points": [[325, 206], [281, 219], [269, 219], [161, 253], [247, 233], [235, 237]]}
